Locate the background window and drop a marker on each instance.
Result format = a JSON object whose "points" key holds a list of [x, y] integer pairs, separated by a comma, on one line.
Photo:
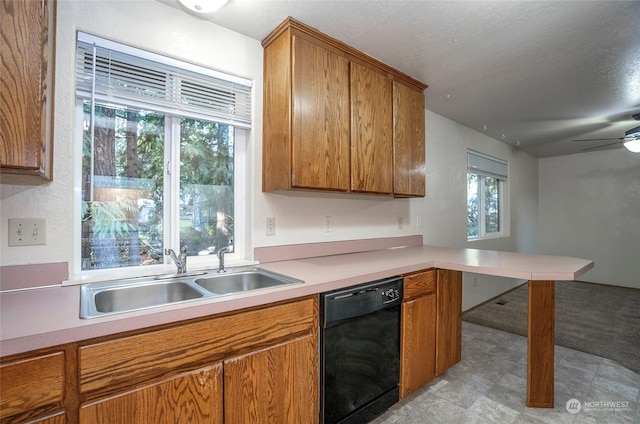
{"points": [[486, 177], [158, 155]]}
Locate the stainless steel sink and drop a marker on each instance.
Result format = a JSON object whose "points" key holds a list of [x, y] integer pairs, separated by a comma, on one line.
{"points": [[104, 298], [242, 281], [111, 297]]}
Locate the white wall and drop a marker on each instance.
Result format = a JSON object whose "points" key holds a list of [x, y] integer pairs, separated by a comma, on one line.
{"points": [[590, 208], [444, 212], [148, 25], [299, 215]]}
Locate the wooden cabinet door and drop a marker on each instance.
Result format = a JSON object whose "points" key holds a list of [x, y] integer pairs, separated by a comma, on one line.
{"points": [[192, 397], [320, 145], [277, 385], [371, 131], [449, 319], [27, 30], [408, 141], [418, 343]]}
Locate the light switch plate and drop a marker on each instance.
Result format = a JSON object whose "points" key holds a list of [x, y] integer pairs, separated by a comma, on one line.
{"points": [[27, 231]]}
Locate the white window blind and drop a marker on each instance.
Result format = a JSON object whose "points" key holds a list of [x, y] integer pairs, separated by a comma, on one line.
{"points": [[106, 70], [480, 164]]}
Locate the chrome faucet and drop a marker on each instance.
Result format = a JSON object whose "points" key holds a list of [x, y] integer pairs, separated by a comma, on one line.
{"points": [[221, 253], [180, 260]]}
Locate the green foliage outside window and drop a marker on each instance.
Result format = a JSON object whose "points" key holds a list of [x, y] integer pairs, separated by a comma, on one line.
{"points": [[123, 186]]}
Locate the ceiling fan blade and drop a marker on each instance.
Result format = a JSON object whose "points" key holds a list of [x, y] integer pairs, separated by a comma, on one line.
{"points": [[598, 139], [601, 146]]}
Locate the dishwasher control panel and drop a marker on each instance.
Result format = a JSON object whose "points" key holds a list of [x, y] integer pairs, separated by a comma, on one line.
{"points": [[358, 300], [391, 295]]}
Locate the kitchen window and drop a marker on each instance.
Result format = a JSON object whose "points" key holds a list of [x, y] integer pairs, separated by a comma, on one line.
{"points": [[161, 143], [486, 180]]}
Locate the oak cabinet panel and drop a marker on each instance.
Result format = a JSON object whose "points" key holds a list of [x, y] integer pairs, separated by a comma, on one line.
{"points": [[192, 397], [431, 329], [116, 363], [56, 419], [306, 116], [332, 119], [320, 134], [449, 319], [275, 385], [32, 384], [259, 365], [408, 142], [371, 131], [418, 341], [418, 331], [419, 284], [27, 30]]}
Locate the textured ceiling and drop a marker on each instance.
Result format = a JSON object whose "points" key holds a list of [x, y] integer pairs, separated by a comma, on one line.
{"points": [[535, 74]]}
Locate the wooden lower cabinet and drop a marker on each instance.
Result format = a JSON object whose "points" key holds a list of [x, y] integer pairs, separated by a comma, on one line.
{"points": [[191, 397], [274, 385], [257, 365], [418, 362], [431, 330], [418, 332], [32, 389]]}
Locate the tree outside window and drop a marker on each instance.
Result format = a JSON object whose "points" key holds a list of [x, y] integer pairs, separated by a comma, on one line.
{"points": [[124, 194]]}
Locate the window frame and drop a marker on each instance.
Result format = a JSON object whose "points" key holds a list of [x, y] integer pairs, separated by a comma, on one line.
{"points": [[171, 205], [501, 173]]}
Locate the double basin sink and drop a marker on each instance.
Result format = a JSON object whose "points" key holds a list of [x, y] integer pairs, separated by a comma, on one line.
{"points": [[104, 298]]}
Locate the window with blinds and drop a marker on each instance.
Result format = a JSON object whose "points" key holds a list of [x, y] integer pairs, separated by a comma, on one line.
{"points": [[486, 178], [108, 71], [480, 164], [161, 142]]}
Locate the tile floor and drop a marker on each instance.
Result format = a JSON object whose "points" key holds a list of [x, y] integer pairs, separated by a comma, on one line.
{"points": [[489, 385]]}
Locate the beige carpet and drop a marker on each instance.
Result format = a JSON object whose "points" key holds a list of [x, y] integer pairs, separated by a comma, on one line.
{"points": [[593, 318]]}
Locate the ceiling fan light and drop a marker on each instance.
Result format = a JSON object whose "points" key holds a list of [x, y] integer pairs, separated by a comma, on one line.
{"points": [[203, 6], [633, 145]]}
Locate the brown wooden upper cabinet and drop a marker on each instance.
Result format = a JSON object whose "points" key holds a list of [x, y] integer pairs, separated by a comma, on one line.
{"points": [[26, 101], [371, 130], [408, 142], [336, 119]]}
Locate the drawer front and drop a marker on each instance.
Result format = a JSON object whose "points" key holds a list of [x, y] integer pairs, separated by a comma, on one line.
{"points": [[122, 362], [31, 383], [420, 283]]}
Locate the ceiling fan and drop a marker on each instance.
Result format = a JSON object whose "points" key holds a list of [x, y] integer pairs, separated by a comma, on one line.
{"points": [[631, 139]]}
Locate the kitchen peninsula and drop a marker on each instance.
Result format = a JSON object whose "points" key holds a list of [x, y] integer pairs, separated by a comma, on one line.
{"points": [[48, 317]]}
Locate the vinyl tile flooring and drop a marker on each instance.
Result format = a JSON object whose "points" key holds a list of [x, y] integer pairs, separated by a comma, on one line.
{"points": [[489, 385]]}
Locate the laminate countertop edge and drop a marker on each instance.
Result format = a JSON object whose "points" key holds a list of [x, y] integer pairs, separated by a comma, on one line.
{"points": [[48, 317]]}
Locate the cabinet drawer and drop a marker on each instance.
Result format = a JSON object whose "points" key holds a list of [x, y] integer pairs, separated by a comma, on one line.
{"points": [[122, 362], [31, 383], [420, 283]]}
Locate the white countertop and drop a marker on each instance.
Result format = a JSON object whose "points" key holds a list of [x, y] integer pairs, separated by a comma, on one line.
{"points": [[38, 318]]}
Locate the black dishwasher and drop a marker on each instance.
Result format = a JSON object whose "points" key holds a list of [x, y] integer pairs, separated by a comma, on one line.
{"points": [[360, 351]]}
